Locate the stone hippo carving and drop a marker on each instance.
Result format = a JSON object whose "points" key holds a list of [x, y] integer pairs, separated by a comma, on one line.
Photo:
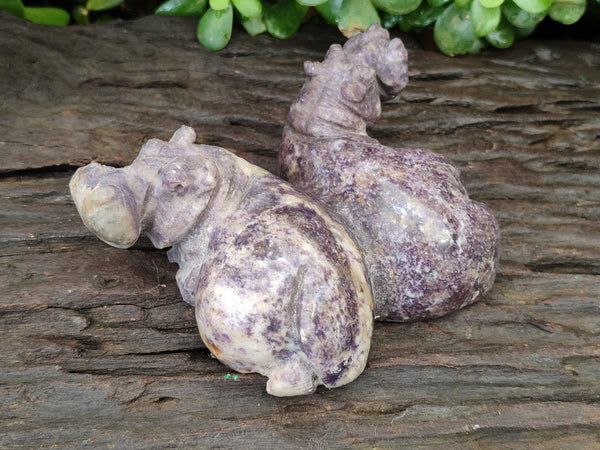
{"points": [[279, 287], [428, 248]]}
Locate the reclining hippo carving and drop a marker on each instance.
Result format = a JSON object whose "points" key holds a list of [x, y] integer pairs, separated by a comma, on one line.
{"points": [[428, 248], [279, 287]]}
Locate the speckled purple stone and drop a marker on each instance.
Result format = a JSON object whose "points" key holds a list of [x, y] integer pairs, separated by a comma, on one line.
{"points": [[429, 249], [279, 286]]}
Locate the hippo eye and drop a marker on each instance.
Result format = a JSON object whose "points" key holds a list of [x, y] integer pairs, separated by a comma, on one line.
{"points": [[173, 178]]}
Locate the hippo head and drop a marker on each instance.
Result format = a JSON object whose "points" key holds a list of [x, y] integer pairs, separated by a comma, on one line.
{"points": [[163, 193], [342, 94], [337, 97]]}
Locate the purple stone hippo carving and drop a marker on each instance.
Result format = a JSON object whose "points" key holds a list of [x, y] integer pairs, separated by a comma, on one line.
{"points": [[428, 248], [279, 287]]}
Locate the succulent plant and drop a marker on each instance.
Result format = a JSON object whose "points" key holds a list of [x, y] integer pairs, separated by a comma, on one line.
{"points": [[460, 26]]}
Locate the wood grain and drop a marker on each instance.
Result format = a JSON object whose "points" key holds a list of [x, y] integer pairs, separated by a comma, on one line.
{"points": [[99, 350]]}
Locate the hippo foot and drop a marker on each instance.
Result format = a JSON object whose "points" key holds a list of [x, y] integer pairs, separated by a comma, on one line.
{"points": [[293, 378]]}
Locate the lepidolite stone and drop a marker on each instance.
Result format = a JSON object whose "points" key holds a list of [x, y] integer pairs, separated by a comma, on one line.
{"points": [[279, 287], [428, 248]]}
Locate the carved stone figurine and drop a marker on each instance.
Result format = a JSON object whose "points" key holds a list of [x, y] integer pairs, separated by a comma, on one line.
{"points": [[278, 286], [428, 248]]}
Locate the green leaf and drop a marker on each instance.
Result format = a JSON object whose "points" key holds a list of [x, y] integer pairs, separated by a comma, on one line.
{"points": [[491, 3], [567, 11], [192, 8], [315, 2], [15, 7], [284, 17], [522, 33], [214, 28], [48, 16], [397, 6], [423, 17], [519, 17], [437, 3], [503, 36], [533, 6], [248, 8], [254, 25], [390, 20], [484, 20], [100, 5], [218, 5], [462, 3], [330, 10], [351, 16], [453, 32], [356, 16], [81, 15]]}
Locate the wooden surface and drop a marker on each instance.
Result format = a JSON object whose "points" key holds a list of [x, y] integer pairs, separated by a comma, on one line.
{"points": [[97, 349]]}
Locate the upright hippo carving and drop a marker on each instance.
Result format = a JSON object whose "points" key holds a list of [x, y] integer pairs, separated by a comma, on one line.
{"points": [[279, 287], [428, 248]]}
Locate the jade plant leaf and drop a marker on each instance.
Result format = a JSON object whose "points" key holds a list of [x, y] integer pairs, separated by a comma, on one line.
{"points": [[81, 15], [214, 28], [397, 6], [567, 11], [490, 3], [15, 7], [311, 2], [182, 8], [533, 6], [484, 20], [522, 33], [248, 8], [390, 20], [284, 18], [519, 17], [503, 36], [453, 32], [254, 25], [439, 2], [218, 5], [423, 17], [101, 5], [48, 16], [330, 10], [356, 16], [351, 16]]}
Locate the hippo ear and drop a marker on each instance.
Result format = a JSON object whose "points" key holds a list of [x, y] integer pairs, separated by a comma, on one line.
{"points": [[335, 52], [392, 69], [310, 68], [183, 136]]}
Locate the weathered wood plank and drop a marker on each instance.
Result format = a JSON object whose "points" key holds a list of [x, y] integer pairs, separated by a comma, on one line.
{"points": [[97, 346]]}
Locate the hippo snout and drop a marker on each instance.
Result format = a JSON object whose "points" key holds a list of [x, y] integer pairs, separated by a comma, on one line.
{"points": [[106, 205]]}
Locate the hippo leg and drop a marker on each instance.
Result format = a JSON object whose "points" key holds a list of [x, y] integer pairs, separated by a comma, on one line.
{"points": [[293, 377]]}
